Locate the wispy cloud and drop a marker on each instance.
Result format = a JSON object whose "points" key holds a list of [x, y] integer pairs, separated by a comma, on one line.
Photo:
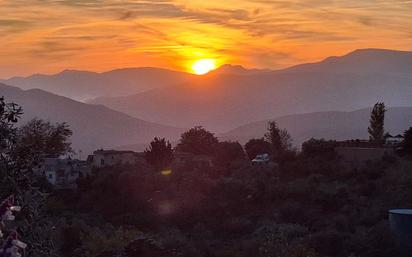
{"points": [[46, 35]]}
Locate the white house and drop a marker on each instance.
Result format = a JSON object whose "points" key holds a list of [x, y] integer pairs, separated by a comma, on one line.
{"points": [[63, 173]]}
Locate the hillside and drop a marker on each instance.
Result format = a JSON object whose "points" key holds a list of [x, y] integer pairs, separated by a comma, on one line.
{"points": [[328, 125], [93, 126], [83, 85], [362, 61], [223, 101]]}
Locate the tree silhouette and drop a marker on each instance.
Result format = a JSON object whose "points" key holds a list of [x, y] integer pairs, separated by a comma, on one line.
{"points": [[34, 222], [39, 139], [280, 140], [377, 120], [197, 141], [228, 152], [407, 141], [159, 153], [257, 146]]}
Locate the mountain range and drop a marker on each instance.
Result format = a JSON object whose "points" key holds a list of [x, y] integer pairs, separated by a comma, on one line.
{"points": [[329, 99], [82, 85], [93, 126], [327, 125], [224, 100]]}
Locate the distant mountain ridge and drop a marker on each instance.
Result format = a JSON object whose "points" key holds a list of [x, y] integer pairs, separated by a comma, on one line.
{"points": [[327, 125], [360, 61], [224, 101], [83, 85], [94, 126]]}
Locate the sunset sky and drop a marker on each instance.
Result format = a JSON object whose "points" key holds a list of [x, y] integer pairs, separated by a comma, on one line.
{"points": [[47, 36]]}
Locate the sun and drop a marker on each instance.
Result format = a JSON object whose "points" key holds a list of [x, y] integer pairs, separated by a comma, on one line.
{"points": [[203, 66]]}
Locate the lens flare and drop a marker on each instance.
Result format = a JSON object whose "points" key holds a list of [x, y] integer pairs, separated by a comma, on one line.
{"points": [[166, 172]]}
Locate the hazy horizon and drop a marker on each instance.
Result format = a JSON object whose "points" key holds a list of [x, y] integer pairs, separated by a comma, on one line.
{"points": [[191, 72]]}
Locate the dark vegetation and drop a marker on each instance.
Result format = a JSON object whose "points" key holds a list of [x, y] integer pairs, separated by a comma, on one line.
{"points": [[197, 141], [159, 154], [377, 122], [21, 150], [311, 205]]}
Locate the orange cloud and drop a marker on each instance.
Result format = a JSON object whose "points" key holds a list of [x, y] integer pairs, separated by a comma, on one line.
{"points": [[51, 35]]}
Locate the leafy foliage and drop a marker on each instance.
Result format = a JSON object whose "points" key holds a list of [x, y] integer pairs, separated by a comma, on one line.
{"points": [[257, 146], [40, 139], [197, 141], [9, 115], [316, 208], [407, 141], [17, 178], [280, 140], [159, 153], [377, 120], [228, 152], [316, 147]]}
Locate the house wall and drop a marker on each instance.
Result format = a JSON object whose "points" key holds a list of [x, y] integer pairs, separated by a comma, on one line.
{"points": [[62, 173]]}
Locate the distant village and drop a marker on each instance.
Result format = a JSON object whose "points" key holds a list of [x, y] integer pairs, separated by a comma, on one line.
{"points": [[63, 173]]}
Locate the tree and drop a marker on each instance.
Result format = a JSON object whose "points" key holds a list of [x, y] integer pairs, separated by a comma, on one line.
{"points": [[38, 139], [316, 147], [280, 141], [377, 120], [159, 153], [407, 141], [257, 146], [9, 115], [228, 152], [197, 141], [15, 180]]}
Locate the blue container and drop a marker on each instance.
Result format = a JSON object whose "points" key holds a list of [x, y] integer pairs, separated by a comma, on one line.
{"points": [[400, 221]]}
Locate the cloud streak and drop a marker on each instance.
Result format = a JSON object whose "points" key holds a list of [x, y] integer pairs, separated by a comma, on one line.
{"points": [[48, 35]]}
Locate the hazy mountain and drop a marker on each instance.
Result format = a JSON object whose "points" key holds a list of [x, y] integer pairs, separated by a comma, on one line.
{"points": [[328, 125], [237, 70], [223, 101], [362, 61], [93, 126], [82, 85]]}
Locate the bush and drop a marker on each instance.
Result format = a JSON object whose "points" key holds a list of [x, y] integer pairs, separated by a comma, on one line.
{"points": [[227, 153]]}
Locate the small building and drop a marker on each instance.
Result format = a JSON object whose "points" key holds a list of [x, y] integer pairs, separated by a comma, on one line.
{"points": [[63, 173], [109, 158]]}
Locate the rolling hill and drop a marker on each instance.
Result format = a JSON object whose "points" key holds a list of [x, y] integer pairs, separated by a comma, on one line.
{"points": [[93, 126], [327, 125], [82, 85], [225, 100]]}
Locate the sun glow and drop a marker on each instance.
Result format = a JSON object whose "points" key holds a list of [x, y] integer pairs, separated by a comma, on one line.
{"points": [[203, 66]]}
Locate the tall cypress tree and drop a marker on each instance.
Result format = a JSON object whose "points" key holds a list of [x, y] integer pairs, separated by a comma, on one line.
{"points": [[377, 122]]}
